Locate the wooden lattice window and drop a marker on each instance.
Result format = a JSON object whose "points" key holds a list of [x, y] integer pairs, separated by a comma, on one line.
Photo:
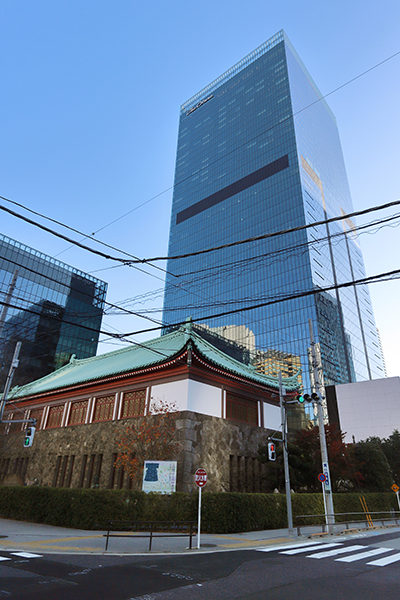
{"points": [[77, 415], [13, 427], [104, 408], [37, 414], [55, 416], [241, 409], [133, 404]]}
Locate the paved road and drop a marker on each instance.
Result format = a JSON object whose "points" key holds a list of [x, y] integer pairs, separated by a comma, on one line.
{"points": [[364, 567]]}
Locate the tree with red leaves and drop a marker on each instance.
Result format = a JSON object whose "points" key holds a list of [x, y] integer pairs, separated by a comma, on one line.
{"points": [[342, 471], [305, 462], [148, 438]]}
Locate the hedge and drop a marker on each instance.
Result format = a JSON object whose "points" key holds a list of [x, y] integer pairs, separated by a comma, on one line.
{"points": [[221, 512]]}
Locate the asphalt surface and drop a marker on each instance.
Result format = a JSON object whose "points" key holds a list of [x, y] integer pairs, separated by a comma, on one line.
{"points": [[34, 537], [37, 538], [52, 563]]}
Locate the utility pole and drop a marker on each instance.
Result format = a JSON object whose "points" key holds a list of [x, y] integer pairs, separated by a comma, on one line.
{"points": [[7, 300], [282, 392], [13, 366], [322, 438]]}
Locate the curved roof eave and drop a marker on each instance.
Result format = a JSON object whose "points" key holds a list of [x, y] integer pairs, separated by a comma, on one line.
{"points": [[148, 355]]}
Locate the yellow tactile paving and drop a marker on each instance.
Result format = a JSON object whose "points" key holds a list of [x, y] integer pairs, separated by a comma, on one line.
{"points": [[244, 544], [68, 548], [53, 544], [48, 546]]}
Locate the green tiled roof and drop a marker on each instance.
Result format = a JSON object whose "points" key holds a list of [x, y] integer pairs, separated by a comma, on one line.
{"points": [[138, 357]]}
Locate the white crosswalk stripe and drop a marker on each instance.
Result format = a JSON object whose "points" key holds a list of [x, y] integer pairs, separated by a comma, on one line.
{"points": [[26, 555], [4, 558], [362, 555], [306, 548], [331, 550], [387, 560], [336, 551], [287, 546]]}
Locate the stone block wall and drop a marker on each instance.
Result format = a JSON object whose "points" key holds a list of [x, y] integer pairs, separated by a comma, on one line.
{"points": [[84, 455]]}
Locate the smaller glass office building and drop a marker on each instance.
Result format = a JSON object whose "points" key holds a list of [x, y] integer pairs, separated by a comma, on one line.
{"points": [[52, 308]]}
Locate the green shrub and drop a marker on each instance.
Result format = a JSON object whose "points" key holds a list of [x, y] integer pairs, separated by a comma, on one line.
{"points": [[221, 512], [76, 508]]}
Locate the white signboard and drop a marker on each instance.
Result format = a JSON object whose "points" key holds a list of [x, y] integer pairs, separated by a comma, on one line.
{"points": [[325, 469], [159, 476]]}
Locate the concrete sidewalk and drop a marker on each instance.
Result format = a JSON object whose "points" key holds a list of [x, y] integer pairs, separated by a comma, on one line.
{"points": [[46, 539]]}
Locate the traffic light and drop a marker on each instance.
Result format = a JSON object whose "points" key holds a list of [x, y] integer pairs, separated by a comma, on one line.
{"points": [[304, 398], [29, 434], [271, 451]]}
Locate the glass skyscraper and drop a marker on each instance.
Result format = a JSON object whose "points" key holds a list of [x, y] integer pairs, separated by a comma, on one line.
{"points": [[258, 153], [52, 308]]}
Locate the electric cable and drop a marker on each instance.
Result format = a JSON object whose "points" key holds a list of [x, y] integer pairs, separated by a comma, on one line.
{"points": [[197, 171], [319, 99], [371, 279], [75, 231], [265, 261], [273, 234]]}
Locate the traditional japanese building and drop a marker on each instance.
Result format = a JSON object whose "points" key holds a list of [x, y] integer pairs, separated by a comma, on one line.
{"points": [[226, 410]]}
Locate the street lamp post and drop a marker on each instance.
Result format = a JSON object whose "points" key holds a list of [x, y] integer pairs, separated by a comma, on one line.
{"points": [[322, 438], [285, 455]]}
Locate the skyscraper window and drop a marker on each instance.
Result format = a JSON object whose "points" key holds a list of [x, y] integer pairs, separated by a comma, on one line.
{"points": [[259, 152], [55, 311]]}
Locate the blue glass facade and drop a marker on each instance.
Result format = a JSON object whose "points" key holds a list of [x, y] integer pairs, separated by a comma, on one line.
{"points": [[259, 152], [54, 310]]}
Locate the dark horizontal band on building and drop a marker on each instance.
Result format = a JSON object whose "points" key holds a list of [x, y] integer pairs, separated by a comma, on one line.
{"points": [[234, 188]]}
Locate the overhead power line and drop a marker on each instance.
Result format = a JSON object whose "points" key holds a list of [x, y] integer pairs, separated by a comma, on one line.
{"points": [[172, 187], [131, 262], [274, 233], [76, 243], [313, 292], [85, 236]]}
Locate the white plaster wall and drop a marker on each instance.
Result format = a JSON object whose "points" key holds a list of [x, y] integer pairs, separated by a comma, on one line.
{"points": [[272, 416], [174, 393], [190, 395], [205, 399], [369, 408]]}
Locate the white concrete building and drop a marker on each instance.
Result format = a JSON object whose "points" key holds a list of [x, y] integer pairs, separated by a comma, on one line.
{"points": [[366, 408]]}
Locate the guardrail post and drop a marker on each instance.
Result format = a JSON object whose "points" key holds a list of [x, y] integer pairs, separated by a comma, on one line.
{"points": [[191, 535], [151, 535], [108, 534]]}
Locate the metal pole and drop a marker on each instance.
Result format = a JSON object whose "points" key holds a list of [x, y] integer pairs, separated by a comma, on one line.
{"points": [[324, 497], [13, 366], [285, 457], [322, 438], [7, 300], [199, 521]]}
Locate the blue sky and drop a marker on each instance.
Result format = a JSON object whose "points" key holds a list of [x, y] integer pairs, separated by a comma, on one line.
{"points": [[89, 119]]}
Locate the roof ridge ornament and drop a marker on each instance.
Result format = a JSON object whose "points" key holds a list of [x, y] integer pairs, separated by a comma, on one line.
{"points": [[188, 326]]}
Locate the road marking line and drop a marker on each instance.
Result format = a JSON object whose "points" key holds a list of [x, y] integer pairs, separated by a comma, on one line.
{"points": [[286, 546], [240, 544], [307, 548], [353, 558], [4, 558], [387, 560], [336, 551], [27, 555]]}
